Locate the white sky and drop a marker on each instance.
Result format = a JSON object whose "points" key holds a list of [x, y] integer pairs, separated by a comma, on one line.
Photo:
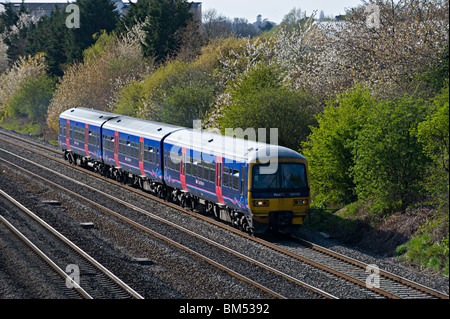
{"points": [[274, 10]]}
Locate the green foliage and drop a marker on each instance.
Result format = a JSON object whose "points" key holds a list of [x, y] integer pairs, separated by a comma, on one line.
{"points": [[186, 103], [177, 93], [95, 16], [259, 100], [130, 99], [52, 37], [436, 77], [165, 18], [433, 132], [329, 148], [294, 20], [32, 99], [63, 45], [389, 160], [427, 249]]}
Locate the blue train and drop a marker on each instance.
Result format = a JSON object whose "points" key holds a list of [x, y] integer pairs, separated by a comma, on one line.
{"points": [[252, 185]]}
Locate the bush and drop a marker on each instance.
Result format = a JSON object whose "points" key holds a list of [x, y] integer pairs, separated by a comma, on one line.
{"points": [[32, 99], [389, 161], [177, 93], [260, 101], [429, 248], [329, 148]]}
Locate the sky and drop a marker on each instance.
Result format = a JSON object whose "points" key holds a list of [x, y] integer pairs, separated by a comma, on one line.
{"points": [[273, 10]]}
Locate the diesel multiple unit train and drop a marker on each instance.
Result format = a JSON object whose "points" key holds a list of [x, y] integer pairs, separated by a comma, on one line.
{"points": [[252, 185]]}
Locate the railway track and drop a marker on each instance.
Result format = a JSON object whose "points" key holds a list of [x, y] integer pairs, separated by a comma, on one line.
{"points": [[386, 285], [218, 255], [97, 281]]}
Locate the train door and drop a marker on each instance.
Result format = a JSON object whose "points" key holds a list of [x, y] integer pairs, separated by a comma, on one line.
{"points": [[116, 148], [219, 182], [183, 169], [141, 156], [68, 134], [86, 139]]}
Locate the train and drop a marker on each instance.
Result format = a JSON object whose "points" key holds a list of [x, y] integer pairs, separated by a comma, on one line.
{"points": [[255, 186]]}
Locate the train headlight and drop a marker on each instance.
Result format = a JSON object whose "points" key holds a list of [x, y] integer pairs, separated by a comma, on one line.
{"points": [[260, 203], [300, 202]]}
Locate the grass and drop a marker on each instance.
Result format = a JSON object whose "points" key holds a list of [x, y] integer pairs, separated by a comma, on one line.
{"points": [[426, 250], [429, 247], [22, 126]]}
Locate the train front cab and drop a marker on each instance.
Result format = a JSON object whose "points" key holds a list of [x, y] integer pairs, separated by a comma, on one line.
{"points": [[279, 198]]}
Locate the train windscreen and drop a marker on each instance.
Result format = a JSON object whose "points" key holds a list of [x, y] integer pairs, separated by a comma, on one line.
{"points": [[288, 176]]}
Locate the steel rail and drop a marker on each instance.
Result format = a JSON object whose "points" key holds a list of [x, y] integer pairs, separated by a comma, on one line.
{"points": [[72, 245], [350, 260], [41, 254], [139, 226]]}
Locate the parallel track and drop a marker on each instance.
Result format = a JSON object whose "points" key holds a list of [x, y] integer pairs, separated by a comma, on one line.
{"points": [[104, 280], [391, 285], [164, 238]]}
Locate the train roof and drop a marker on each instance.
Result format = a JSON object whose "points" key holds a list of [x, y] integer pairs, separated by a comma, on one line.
{"points": [[90, 116], [140, 127], [229, 147]]}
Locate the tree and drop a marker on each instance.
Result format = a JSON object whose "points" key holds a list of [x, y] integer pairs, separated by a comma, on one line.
{"points": [[51, 36], [4, 61], [329, 148], [164, 20], [21, 71], [177, 93], [108, 66], [433, 132], [216, 25], [390, 165], [407, 39], [294, 20], [32, 99], [95, 16], [166, 17], [259, 100]]}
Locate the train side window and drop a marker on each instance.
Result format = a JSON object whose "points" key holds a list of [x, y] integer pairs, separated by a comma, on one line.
{"points": [[148, 154], [206, 171], [172, 160], [177, 161], [157, 156], [235, 179], [188, 165], [200, 169], [225, 176], [194, 167], [212, 172]]}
